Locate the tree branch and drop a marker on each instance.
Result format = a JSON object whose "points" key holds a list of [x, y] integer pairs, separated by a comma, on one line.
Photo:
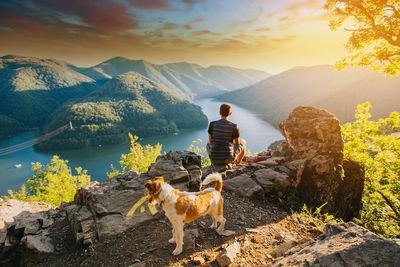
{"points": [[390, 205]]}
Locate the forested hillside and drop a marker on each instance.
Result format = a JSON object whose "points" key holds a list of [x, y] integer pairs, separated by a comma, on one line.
{"points": [[32, 88], [128, 103], [320, 86]]}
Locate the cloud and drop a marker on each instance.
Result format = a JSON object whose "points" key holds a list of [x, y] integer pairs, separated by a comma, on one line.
{"points": [[266, 29], [188, 26], [284, 39], [298, 12], [229, 45], [151, 4], [165, 27], [205, 32], [307, 4], [101, 16], [168, 26], [240, 36], [192, 2]]}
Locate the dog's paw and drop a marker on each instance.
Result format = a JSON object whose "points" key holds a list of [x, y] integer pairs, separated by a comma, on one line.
{"points": [[213, 226], [172, 240], [177, 251], [225, 232]]}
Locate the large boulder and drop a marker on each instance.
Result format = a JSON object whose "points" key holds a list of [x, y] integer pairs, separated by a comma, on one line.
{"points": [[311, 132], [26, 234], [273, 181], [314, 136], [244, 186], [345, 244], [177, 167]]}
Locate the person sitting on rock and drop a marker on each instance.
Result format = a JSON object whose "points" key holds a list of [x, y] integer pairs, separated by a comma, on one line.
{"points": [[224, 142]]}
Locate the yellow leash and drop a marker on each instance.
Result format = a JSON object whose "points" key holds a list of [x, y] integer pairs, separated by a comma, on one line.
{"points": [[152, 208]]}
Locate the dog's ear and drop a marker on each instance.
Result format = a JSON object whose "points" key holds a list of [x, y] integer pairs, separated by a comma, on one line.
{"points": [[159, 179], [149, 185]]}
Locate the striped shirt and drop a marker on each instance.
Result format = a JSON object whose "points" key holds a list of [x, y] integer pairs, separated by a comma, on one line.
{"points": [[222, 132]]}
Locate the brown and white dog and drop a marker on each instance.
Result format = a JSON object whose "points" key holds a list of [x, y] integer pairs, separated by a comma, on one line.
{"points": [[182, 207]]}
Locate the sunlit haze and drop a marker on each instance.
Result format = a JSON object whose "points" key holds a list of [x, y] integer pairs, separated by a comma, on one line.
{"points": [[270, 35]]}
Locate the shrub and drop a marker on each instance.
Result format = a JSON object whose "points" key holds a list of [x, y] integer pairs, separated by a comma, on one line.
{"points": [[138, 159], [376, 145], [52, 184]]}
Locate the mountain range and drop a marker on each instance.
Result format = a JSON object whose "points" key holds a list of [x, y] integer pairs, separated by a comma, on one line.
{"points": [[31, 89], [320, 86], [186, 79]]}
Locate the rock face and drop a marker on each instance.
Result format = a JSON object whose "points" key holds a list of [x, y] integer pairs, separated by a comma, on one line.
{"points": [[27, 227], [346, 245], [177, 167], [99, 209], [314, 136], [311, 132]]}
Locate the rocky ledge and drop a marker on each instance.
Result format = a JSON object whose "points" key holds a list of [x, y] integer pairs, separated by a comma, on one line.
{"points": [[344, 244]]}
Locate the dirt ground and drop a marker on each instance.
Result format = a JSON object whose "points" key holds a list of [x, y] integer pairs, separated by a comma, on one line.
{"points": [[258, 226]]}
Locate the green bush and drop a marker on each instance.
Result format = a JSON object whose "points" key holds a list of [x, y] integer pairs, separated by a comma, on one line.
{"points": [[376, 145], [138, 159], [52, 184]]}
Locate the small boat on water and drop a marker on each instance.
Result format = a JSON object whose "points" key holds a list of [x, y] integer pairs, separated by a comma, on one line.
{"points": [[18, 165]]}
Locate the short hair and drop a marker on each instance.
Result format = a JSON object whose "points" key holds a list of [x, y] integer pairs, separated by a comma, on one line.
{"points": [[225, 109]]}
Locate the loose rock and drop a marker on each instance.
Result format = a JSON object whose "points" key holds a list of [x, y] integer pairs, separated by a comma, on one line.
{"points": [[228, 255], [244, 186]]}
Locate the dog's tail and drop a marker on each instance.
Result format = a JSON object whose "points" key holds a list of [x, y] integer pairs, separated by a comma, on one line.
{"points": [[214, 177]]}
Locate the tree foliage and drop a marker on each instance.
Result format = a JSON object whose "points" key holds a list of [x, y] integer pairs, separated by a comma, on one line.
{"points": [[375, 36], [138, 159], [376, 145], [52, 184]]}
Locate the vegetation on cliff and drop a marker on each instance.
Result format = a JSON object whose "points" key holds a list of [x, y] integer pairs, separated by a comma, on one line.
{"points": [[138, 159], [52, 183], [375, 145]]}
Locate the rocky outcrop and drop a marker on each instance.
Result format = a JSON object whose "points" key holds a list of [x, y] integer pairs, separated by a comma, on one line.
{"points": [[28, 228], [177, 167], [313, 133], [99, 209], [345, 245], [314, 136]]}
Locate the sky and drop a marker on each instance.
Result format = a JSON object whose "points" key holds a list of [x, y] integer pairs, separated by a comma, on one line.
{"points": [[270, 35]]}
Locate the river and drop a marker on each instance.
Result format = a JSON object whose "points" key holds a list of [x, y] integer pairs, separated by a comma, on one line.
{"points": [[258, 133]]}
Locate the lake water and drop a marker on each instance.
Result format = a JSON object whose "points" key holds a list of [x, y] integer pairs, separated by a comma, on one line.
{"points": [[258, 133]]}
